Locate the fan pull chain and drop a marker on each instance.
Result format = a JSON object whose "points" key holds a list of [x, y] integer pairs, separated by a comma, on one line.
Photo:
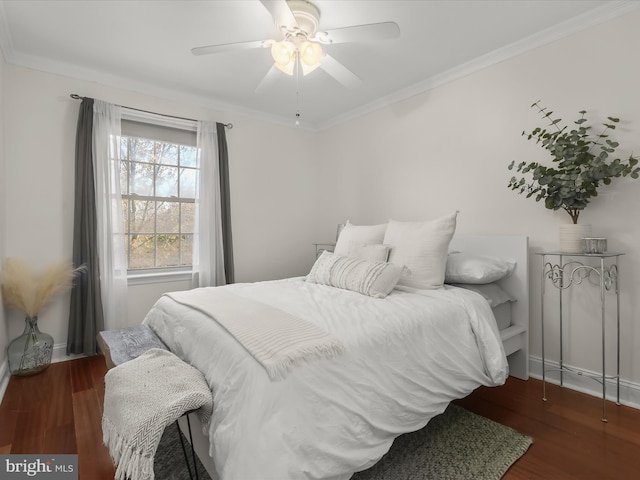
{"points": [[297, 90]]}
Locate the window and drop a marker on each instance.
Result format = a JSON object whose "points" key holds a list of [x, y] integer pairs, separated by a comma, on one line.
{"points": [[158, 185]]}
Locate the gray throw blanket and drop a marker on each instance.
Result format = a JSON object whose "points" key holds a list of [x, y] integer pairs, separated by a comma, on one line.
{"points": [[141, 398]]}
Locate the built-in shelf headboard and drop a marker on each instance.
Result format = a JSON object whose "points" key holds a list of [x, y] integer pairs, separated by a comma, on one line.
{"points": [[513, 248]]}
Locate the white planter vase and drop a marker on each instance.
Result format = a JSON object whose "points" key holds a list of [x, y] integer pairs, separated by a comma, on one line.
{"points": [[571, 236]]}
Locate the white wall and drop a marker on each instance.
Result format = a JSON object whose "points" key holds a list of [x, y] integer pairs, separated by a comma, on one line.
{"points": [[272, 187], [4, 342], [449, 149]]}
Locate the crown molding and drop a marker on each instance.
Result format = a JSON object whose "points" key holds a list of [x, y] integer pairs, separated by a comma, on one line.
{"points": [[564, 29]]}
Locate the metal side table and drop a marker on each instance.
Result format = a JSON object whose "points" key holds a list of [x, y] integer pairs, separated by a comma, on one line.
{"points": [[565, 271]]}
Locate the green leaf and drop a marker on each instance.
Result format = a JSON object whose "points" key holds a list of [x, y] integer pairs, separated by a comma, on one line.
{"points": [[580, 162]]}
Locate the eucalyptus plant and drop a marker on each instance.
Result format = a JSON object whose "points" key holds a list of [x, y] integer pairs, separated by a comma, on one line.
{"points": [[582, 162]]}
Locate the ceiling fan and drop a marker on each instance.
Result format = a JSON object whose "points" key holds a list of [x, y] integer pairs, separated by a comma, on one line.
{"points": [[300, 48]]}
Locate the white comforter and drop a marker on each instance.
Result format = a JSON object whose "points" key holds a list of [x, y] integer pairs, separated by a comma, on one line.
{"points": [[407, 356]]}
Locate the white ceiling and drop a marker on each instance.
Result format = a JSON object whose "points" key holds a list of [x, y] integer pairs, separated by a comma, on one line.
{"points": [[145, 46]]}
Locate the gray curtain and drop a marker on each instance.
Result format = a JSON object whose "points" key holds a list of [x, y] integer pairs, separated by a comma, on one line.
{"points": [[85, 310], [223, 165]]}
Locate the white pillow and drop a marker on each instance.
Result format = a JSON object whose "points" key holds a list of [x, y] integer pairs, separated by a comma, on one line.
{"points": [[363, 234], [375, 279], [476, 269], [422, 247], [376, 252], [492, 292]]}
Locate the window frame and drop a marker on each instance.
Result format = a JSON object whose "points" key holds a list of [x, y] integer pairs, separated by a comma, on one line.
{"points": [[150, 121]]}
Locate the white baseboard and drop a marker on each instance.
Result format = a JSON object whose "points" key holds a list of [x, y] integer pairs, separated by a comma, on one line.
{"points": [[581, 382], [60, 354], [4, 377]]}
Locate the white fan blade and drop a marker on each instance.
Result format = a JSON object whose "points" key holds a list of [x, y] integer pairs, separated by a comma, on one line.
{"points": [[269, 79], [359, 33], [338, 71], [281, 13], [229, 47]]}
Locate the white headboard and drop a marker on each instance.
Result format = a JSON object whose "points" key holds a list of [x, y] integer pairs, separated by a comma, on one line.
{"points": [[516, 337]]}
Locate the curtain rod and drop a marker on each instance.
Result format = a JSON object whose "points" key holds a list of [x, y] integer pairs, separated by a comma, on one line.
{"points": [[75, 96]]}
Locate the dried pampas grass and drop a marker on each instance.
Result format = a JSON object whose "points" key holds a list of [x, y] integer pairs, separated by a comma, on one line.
{"points": [[30, 291]]}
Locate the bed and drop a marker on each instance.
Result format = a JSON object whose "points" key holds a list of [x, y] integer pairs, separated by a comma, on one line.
{"points": [[406, 357]]}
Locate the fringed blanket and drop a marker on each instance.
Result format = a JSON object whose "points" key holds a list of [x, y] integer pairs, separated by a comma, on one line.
{"points": [[276, 339], [141, 398]]}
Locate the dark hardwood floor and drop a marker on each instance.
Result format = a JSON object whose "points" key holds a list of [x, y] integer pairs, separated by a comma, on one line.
{"points": [[60, 410]]}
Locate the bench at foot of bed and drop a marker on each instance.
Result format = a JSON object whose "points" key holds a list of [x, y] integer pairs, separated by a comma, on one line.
{"points": [[119, 346]]}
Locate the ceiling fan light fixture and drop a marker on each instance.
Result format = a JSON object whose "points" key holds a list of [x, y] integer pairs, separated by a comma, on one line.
{"points": [[310, 53], [288, 68], [283, 53]]}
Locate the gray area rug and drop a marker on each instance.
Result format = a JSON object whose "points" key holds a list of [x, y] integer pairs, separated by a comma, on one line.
{"points": [[169, 462], [457, 445]]}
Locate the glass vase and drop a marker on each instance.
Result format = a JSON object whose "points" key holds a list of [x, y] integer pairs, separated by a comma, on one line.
{"points": [[31, 352]]}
